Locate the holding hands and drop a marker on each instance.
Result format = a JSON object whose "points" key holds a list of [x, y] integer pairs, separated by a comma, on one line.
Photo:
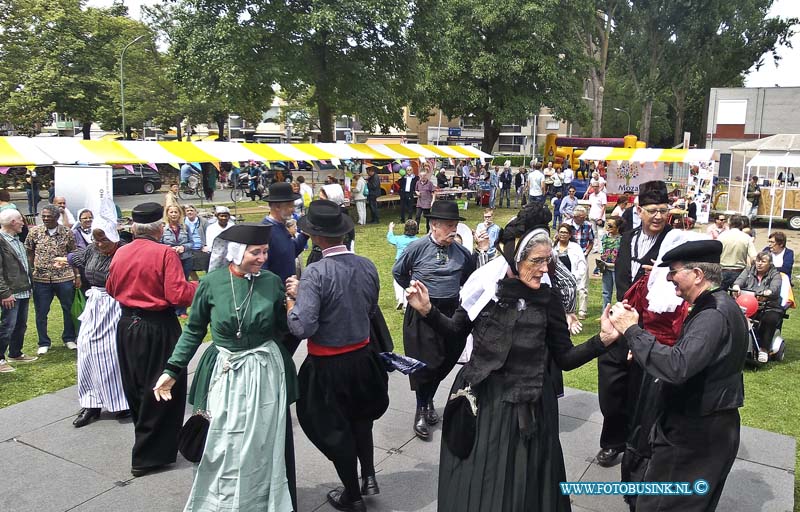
{"points": [[616, 320]]}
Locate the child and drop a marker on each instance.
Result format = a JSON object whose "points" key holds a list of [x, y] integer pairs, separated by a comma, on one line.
{"points": [[556, 201], [608, 256], [401, 242]]}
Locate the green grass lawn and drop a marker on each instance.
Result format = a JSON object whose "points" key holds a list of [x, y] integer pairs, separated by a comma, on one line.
{"points": [[770, 399]]}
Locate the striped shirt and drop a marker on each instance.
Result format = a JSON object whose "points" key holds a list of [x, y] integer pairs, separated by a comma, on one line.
{"points": [[19, 249]]}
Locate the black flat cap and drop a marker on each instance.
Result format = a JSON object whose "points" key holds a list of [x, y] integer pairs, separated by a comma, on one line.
{"points": [[146, 213], [699, 251], [247, 233]]}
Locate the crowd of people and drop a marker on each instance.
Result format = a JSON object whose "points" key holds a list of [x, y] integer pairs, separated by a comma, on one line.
{"points": [[503, 301]]}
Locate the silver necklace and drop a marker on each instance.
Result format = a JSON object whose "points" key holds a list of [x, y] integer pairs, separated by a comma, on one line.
{"points": [[247, 300]]}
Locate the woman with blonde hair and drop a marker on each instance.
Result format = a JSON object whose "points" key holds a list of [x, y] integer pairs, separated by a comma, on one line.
{"points": [[177, 236]]}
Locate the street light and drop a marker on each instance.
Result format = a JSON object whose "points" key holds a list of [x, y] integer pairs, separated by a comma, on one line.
{"points": [[629, 118], [122, 82]]}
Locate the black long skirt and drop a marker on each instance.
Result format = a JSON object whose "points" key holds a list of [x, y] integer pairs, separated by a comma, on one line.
{"points": [[420, 341], [506, 472], [145, 340], [336, 391]]}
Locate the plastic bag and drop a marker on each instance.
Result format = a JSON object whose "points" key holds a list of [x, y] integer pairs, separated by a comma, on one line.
{"points": [[78, 305]]}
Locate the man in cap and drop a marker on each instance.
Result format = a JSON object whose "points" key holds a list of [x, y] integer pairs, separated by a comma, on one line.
{"points": [[223, 215], [343, 383], [146, 278], [442, 266], [283, 247], [700, 376], [618, 378]]}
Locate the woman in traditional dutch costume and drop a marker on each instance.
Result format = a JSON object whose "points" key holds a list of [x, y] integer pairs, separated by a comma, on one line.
{"points": [[245, 380]]}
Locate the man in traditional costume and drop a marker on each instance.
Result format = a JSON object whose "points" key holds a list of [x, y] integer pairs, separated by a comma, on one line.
{"points": [[343, 382], [696, 436], [146, 278], [443, 266], [619, 378]]}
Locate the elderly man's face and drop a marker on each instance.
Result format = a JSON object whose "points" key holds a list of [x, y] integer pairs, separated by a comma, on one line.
{"points": [[580, 217], [15, 225], [443, 231], [60, 202], [654, 217]]}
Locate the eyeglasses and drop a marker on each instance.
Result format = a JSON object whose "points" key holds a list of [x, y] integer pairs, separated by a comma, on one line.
{"points": [[656, 211], [537, 262], [672, 273], [721, 220]]}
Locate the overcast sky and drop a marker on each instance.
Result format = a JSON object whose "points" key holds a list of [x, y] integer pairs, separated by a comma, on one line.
{"points": [[784, 75]]}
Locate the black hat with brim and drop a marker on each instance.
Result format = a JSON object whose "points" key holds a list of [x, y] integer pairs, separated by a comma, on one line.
{"points": [[444, 210], [281, 192], [325, 218], [247, 233], [653, 192], [698, 251], [147, 213]]}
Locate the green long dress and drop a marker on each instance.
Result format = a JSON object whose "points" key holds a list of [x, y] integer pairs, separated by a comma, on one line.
{"points": [[246, 385]]}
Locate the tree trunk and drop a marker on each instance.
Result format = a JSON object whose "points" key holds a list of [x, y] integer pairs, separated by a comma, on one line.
{"points": [[221, 127], [128, 132], [647, 111], [680, 113], [491, 133], [598, 90], [86, 128], [327, 133], [178, 131]]}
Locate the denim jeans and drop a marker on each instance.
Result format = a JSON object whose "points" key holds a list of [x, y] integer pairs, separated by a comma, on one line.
{"points": [[13, 324], [33, 200], [43, 294], [608, 287], [505, 192], [492, 196]]}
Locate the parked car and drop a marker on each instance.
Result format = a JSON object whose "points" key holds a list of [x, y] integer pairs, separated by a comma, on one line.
{"points": [[143, 180]]}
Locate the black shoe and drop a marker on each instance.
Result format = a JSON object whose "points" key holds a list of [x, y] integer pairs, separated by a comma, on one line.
{"points": [[137, 472], [431, 417], [86, 416], [420, 425], [121, 415], [369, 486], [607, 457], [339, 501]]}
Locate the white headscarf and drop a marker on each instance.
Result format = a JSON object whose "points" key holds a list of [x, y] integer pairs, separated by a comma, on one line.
{"points": [[107, 227], [224, 252], [334, 192], [481, 287]]}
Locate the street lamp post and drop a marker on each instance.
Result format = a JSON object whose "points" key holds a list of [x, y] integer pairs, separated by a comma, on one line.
{"points": [[122, 82], [629, 118]]}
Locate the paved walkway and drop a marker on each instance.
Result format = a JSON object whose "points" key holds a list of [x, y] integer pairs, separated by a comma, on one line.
{"points": [[48, 465]]}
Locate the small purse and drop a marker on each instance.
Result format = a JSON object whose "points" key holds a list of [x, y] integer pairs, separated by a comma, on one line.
{"points": [[192, 437], [459, 423]]}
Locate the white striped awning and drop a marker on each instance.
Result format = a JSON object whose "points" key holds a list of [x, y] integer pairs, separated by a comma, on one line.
{"points": [[647, 154]]}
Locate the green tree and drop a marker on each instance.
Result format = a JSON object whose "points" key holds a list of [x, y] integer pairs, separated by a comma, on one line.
{"points": [[500, 61], [716, 46]]}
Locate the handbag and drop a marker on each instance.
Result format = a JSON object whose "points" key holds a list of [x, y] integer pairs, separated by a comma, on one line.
{"points": [[192, 437], [78, 305], [200, 260], [459, 422]]}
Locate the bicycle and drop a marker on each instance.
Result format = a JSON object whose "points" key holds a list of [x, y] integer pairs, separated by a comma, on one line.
{"points": [[240, 187], [192, 187]]}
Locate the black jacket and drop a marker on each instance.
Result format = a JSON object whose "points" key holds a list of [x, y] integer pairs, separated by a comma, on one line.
{"points": [[14, 279], [702, 373], [622, 274], [402, 184], [374, 186]]}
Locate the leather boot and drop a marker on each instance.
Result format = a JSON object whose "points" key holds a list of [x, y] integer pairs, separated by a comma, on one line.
{"points": [[338, 500], [86, 416], [369, 486], [420, 425], [431, 417]]}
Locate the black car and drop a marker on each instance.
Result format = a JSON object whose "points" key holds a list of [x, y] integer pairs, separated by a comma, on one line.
{"points": [[143, 179]]}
